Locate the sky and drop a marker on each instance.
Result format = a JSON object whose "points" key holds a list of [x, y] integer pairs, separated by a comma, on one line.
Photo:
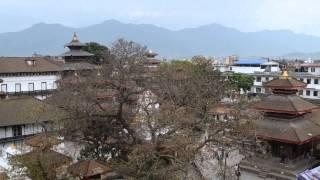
{"points": [[301, 16]]}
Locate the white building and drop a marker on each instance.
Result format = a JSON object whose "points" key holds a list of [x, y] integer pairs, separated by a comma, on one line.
{"points": [[25, 116], [249, 66], [312, 91], [28, 75], [265, 70]]}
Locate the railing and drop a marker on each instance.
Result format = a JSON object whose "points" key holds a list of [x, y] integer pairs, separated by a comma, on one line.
{"points": [[36, 92]]}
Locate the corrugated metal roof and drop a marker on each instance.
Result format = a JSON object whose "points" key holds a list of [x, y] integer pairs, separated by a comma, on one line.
{"points": [[250, 61]]}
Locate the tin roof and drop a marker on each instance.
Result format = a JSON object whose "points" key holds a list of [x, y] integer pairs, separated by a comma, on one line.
{"points": [[250, 61]]}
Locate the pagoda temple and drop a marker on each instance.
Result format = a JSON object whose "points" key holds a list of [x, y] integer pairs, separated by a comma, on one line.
{"points": [[76, 52], [77, 59], [290, 125], [286, 134]]}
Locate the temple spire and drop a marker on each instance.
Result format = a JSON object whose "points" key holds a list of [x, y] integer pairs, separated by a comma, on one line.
{"points": [[75, 37], [284, 74]]}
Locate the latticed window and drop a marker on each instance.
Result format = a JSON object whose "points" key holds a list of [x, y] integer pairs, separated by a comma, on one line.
{"points": [[16, 131]]}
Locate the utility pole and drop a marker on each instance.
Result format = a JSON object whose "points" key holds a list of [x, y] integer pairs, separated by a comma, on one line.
{"points": [[225, 165]]}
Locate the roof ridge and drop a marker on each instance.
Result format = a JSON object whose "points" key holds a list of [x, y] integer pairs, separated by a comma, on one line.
{"points": [[292, 103], [294, 130]]}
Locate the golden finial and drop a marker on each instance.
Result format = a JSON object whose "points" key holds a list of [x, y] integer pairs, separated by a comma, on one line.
{"points": [[284, 74]]}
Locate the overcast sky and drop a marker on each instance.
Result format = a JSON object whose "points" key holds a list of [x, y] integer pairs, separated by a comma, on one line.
{"points": [[301, 16]]}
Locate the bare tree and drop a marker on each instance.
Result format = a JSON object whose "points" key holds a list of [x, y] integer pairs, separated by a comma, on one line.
{"points": [[145, 129], [101, 103]]}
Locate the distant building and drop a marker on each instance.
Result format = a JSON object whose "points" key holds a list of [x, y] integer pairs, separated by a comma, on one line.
{"points": [[77, 59], [151, 61], [76, 52], [311, 91], [254, 65], [266, 70]]}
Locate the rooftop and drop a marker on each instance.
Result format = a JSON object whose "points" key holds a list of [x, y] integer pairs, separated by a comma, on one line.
{"points": [[310, 65], [27, 110], [87, 168], [291, 104], [27, 64], [297, 130], [79, 53], [250, 61], [290, 83]]}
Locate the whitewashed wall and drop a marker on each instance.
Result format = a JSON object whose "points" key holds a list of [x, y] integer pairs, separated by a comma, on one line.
{"points": [[11, 82], [245, 70]]}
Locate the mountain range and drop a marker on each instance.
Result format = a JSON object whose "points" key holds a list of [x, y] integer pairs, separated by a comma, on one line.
{"points": [[208, 40]]}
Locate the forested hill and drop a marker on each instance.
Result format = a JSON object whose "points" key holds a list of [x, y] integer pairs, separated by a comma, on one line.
{"points": [[211, 40]]}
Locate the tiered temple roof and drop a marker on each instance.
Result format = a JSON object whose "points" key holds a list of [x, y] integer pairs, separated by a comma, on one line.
{"points": [[287, 117], [76, 51]]}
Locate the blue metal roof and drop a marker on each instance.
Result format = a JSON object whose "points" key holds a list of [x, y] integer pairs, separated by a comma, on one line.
{"points": [[250, 61]]}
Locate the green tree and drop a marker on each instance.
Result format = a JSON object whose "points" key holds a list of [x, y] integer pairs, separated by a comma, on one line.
{"points": [[241, 81], [101, 52]]}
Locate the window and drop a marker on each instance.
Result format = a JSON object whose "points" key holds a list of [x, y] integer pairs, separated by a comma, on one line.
{"points": [[3, 88], [316, 81], [44, 86], [258, 79], [31, 86], [301, 79], [17, 87], [308, 81], [313, 69], [258, 90], [315, 93], [267, 79], [301, 92], [16, 131], [308, 92]]}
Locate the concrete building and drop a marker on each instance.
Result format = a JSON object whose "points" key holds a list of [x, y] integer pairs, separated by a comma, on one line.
{"points": [[265, 70], [250, 66], [28, 75]]}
